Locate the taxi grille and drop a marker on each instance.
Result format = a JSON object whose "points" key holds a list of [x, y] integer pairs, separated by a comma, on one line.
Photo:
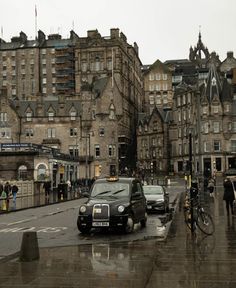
{"points": [[101, 212]]}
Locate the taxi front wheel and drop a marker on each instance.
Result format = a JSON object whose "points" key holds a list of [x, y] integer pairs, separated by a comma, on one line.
{"points": [[129, 227], [84, 230], [144, 221]]}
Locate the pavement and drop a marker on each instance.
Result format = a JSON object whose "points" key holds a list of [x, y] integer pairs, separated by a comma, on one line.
{"points": [[181, 259]]}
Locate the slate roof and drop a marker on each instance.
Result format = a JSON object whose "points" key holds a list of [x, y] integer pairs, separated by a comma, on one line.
{"points": [[47, 103]]}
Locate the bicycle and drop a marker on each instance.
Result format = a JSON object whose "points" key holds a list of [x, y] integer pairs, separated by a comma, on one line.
{"points": [[201, 218]]}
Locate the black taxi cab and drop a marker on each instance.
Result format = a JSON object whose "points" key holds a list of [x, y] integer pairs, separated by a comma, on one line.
{"points": [[114, 202]]}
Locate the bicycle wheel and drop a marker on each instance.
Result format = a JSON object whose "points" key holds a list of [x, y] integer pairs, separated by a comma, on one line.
{"points": [[205, 222]]}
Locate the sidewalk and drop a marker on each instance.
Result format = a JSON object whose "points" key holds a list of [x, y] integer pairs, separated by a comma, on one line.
{"points": [[181, 261]]}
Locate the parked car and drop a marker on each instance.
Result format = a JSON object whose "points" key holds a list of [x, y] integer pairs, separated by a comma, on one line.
{"points": [[157, 198], [114, 202]]}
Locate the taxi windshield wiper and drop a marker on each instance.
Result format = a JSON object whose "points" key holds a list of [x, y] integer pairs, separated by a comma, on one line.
{"points": [[118, 191], [101, 193]]}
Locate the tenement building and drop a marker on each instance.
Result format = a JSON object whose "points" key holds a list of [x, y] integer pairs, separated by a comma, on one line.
{"points": [[80, 96]]}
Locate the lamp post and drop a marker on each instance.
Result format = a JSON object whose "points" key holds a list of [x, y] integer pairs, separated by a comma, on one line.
{"points": [[190, 174], [87, 167], [214, 174]]}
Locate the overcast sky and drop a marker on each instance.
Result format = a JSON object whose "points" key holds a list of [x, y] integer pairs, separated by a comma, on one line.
{"points": [[162, 29]]}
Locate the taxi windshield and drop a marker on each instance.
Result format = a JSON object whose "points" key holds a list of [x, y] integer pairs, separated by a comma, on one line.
{"points": [[109, 189]]}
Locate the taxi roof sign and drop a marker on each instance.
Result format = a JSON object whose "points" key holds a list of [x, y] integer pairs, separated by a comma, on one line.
{"points": [[112, 178]]}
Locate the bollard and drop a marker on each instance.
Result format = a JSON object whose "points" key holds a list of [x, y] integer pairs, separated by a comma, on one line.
{"points": [[29, 247]]}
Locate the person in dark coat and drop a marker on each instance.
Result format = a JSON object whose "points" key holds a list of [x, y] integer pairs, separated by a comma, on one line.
{"points": [[7, 189], [229, 196]]}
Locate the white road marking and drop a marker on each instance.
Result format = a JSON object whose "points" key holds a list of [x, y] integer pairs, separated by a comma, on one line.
{"points": [[22, 221], [38, 230]]}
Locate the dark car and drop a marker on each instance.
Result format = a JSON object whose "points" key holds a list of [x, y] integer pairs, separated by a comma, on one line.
{"points": [[114, 202], [157, 198]]}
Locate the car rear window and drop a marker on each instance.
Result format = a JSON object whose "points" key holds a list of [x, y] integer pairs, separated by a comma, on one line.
{"points": [[152, 190]]}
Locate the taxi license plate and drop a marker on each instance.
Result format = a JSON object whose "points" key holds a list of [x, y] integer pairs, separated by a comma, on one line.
{"points": [[100, 224]]}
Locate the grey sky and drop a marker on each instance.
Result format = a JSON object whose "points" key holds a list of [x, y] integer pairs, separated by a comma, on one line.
{"points": [[162, 29]]}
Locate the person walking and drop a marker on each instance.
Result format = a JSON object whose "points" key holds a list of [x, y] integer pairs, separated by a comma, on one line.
{"points": [[211, 186], [229, 196], [14, 191], [7, 190]]}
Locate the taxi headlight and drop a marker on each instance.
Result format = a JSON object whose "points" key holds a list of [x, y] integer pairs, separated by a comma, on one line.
{"points": [[121, 208], [82, 209]]}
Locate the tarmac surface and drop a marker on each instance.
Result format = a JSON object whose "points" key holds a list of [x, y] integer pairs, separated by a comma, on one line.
{"points": [[179, 260]]}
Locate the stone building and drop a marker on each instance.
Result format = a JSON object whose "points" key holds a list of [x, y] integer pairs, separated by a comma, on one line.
{"points": [[158, 90], [80, 95], [153, 142], [203, 110], [31, 139], [45, 66], [109, 84]]}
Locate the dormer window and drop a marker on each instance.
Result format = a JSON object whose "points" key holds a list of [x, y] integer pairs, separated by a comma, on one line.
{"points": [[50, 116], [28, 116], [213, 81], [73, 115]]}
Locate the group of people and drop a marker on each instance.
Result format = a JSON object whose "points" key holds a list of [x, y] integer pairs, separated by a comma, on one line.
{"points": [[5, 191]]}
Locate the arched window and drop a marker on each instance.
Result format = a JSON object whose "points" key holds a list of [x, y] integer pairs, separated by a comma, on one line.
{"points": [[41, 172], [22, 172]]}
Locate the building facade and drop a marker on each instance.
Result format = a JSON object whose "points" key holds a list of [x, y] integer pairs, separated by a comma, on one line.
{"points": [[203, 110], [158, 90], [80, 95]]}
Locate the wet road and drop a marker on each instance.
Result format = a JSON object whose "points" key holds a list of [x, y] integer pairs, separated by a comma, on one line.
{"points": [[182, 260]]}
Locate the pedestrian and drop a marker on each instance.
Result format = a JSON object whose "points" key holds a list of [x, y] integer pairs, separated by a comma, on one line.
{"points": [[14, 191], [4, 200], [47, 188], [211, 186], [229, 196], [7, 190], [68, 185], [1, 188]]}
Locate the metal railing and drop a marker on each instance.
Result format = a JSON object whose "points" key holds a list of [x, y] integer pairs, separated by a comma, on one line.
{"points": [[35, 200]]}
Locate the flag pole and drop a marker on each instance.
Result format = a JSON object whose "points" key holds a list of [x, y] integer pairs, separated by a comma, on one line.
{"points": [[36, 29]]}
